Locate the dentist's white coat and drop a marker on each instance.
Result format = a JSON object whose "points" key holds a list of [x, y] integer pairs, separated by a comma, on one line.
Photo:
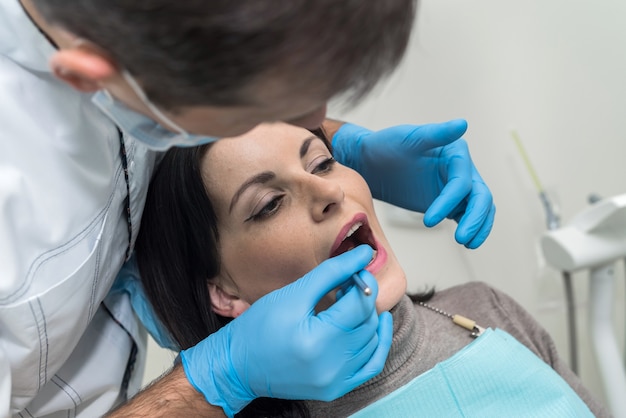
{"points": [[63, 237]]}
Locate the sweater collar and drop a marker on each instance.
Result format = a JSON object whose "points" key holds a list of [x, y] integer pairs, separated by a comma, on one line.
{"points": [[407, 337]]}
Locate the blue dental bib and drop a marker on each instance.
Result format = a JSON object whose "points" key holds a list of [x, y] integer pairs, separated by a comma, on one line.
{"points": [[494, 376]]}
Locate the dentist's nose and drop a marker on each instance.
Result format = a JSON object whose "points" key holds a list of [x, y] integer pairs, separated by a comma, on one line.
{"points": [[326, 197]]}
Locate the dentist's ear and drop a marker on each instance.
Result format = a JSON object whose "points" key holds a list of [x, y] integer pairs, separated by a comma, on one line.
{"points": [[83, 69], [224, 303]]}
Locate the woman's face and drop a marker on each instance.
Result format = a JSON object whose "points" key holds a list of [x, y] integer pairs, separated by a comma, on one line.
{"points": [[283, 206]]}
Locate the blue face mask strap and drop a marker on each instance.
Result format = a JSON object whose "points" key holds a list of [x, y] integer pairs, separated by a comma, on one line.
{"points": [[153, 108]]}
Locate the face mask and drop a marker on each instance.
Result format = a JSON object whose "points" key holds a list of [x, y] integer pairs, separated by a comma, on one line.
{"points": [[142, 128]]}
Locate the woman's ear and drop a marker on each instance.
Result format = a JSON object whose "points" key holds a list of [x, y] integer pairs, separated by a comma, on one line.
{"points": [[225, 303], [84, 69]]}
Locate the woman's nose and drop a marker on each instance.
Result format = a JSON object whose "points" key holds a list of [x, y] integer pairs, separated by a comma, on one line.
{"points": [[326, 197]]}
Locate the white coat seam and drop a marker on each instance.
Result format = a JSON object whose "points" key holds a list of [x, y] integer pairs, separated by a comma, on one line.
{"points": [[64, 387], [55, 252], [38, 316]]}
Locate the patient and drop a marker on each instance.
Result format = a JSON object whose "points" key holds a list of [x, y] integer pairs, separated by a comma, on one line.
{"points": [[229, 222]]}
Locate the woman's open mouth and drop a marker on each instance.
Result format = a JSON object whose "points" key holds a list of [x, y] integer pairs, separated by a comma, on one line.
{"points": [[355, 233]]}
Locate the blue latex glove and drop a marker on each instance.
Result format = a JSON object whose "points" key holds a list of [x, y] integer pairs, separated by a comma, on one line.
{"points": [[280, 348], [424, 168]]}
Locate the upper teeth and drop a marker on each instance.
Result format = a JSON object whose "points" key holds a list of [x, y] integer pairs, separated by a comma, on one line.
{"points": [[353, 229]]}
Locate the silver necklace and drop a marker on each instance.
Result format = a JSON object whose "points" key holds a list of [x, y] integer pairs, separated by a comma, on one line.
{"points": [[469, 324]]}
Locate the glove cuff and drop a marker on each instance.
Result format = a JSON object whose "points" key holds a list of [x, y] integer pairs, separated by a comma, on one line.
{"points": [[209, 370], [347, 145]]}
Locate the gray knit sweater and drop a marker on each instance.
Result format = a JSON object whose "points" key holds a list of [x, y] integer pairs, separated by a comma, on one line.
{"points": [[422, 338]]}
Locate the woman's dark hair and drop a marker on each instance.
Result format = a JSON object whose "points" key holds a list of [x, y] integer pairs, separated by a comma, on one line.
{"points": [[177, 253], [177, 247], [198, 52]]}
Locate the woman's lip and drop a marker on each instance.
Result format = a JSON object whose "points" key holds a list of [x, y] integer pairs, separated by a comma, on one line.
{"points": [[359, 217], [379, 259]]}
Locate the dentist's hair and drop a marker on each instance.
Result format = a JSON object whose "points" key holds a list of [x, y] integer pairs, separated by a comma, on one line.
{"points": [[193, 52]]}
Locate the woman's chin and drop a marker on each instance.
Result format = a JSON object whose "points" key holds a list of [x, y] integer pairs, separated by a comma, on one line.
{"points": [[391, 289]]}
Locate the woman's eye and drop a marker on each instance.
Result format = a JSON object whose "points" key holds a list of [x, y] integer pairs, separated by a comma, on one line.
{"points": [[268, 210], [324, 166]]}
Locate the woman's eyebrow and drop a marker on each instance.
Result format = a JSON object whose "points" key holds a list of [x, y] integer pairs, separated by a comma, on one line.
{"points": [[260, 178], [305, 145], [266, 176]]}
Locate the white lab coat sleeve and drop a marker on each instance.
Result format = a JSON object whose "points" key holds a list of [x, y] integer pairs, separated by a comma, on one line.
{"points": [[65, 343], [63, 238]]}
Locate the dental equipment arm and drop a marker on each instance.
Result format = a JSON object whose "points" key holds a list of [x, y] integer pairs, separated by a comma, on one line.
{"points": [[595, 239], [425, 168], [553, 221]]}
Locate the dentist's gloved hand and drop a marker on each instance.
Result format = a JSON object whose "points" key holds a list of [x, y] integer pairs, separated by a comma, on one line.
{"points": [[424, 168], [280, 348]]}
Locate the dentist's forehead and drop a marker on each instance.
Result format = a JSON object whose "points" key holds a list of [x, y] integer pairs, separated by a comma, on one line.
{"points": [[271, 136], [262, 148]]}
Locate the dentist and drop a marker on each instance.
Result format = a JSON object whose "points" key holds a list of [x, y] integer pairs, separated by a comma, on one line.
{"points": [[91, 91]]}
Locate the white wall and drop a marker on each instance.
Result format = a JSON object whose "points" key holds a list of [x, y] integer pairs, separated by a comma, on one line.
{"points": [[555, 70]]}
